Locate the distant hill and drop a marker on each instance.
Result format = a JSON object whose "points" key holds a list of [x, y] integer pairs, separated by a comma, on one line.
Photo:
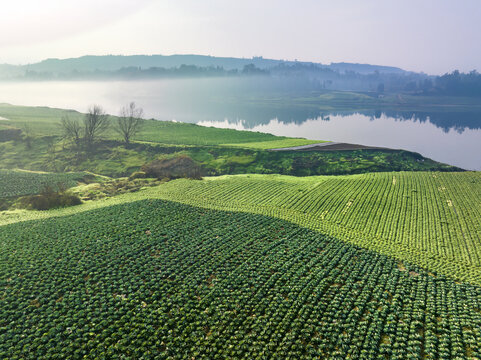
{"points": [[115, 62], [7, 71], [365, 68], [285, 75]]}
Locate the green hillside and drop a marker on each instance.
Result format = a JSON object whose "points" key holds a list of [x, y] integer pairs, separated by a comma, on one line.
{"points": [[45, 121], [385, 264], [39, 146]]}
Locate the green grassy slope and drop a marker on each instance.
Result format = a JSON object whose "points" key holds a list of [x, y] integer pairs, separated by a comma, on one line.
{"points": [[116, 160], [45, 121], [153, 279], [275, 144], [218, 151], [190, 134], [41, 120]]}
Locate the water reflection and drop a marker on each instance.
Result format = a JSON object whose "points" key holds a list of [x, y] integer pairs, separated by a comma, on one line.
{"points": [[452, 145], [252, 117]]}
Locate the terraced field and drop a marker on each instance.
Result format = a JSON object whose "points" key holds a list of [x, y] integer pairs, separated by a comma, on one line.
{"points": [[429, 219], [161, 280], [372, 266], [18, 183]]}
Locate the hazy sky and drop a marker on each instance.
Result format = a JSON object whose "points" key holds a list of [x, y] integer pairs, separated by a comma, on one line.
{"points": [[434, 36]]}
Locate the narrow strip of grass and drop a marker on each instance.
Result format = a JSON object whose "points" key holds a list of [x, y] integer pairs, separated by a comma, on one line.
{"points": [[275, 144]]}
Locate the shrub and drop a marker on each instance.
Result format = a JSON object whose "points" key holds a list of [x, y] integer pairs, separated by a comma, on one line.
{"points": [[49, 199], [178, 167], [10, 134], [138, 175], [5, 204]]}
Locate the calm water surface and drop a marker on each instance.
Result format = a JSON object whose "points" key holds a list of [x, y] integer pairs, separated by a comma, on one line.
{"points": [[453, 138], [462, 149]]}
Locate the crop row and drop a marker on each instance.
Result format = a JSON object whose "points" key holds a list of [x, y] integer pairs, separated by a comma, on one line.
{"points": [[431, 219], [162, 280], [18, 183]]}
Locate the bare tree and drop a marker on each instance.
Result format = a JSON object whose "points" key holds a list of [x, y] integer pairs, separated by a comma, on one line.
{"points": [[95, 123], [129, 122], [27, 131], [71, 130]]}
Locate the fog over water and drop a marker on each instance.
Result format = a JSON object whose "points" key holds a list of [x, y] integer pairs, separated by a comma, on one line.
{"points": [[453, 138]]}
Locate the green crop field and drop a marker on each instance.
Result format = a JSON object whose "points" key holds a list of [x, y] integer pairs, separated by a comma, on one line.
{"points": [[385, 264], [160, 280], [18, 183], [429, 219]]}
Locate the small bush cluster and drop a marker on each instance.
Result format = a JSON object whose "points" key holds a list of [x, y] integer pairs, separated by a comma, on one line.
{"points": [[48, 199], [115, 187], [137, 175], [178, 167], [9, 134], [5, 204]]}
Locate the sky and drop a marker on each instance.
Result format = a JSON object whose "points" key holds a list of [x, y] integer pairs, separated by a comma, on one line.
{"points": [[433, 36]]}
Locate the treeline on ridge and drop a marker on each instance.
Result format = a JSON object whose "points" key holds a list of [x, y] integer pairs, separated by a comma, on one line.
{"points": [[304, 76]]}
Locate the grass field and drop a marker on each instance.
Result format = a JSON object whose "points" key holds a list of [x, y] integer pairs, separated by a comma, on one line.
{"points": [[275, 144], [44, 121], [160, 280], [190, 134], [41, 120]]}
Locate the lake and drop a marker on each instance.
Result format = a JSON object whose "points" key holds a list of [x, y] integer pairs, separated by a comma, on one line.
{"points": [[449, 137]]}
